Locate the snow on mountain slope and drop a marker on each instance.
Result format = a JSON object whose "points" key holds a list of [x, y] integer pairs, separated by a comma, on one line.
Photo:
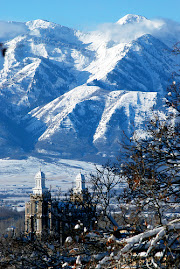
{"points": [[67, 124], [89, 120], [131, 18], [72, 93], [143, 65], [42, 65]]}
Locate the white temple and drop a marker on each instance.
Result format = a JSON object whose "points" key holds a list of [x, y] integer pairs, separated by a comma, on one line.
{"points": [[80, 184], [40, 184], [38, 211]]}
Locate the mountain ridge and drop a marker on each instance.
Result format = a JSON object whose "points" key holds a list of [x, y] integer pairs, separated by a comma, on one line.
{"points": [[73, 93]]}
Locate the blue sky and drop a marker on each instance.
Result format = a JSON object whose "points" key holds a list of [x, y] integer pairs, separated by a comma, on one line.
{"points": [[85, 14]]}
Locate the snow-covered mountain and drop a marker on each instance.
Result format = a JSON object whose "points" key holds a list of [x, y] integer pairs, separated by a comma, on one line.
{"points": [[72, 94]]}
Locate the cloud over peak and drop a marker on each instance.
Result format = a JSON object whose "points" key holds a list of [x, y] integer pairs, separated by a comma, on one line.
{"points": [[131, 27], [9, 30]]}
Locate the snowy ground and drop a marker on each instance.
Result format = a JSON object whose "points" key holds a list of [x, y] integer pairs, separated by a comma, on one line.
{"points": [[17, 178]]}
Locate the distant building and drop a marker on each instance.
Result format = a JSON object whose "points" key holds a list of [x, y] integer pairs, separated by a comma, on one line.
{"points": [[37, 211], [46, 215], [80, 192], [40, 187]]}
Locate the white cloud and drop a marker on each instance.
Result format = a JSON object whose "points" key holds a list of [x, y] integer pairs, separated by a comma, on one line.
{"points": [[159, 28], [10, 30]]}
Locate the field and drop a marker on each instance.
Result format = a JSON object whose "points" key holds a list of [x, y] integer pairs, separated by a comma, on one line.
{"points": [[17, 178]]}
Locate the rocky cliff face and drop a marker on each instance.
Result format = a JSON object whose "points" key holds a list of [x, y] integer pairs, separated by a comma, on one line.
{"points": [[72, 94]]}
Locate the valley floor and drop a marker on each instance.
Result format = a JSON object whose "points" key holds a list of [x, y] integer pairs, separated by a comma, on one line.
{"points": [[17, 178]]}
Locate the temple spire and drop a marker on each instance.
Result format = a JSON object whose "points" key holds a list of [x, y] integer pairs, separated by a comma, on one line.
{"points": [[80, 184], [40, 187]]}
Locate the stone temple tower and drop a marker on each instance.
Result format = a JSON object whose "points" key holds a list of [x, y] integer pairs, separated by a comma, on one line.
{"points": [[80, 192], [80, 184], [38, 210], [40, 184]]}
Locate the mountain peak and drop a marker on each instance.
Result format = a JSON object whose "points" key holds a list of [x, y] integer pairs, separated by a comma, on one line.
{"points": [[131, 18], [72, 95], [39, 23]]}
